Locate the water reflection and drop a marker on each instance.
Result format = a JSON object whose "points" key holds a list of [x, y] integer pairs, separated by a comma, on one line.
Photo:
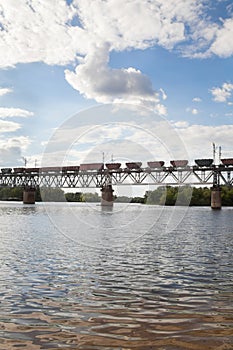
{"points": [[17, 208], [163, 291], [106, 208]]}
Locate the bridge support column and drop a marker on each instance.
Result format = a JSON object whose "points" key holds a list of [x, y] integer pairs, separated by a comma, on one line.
{"points": [[107, 196], [216, 201], [29, 195]]}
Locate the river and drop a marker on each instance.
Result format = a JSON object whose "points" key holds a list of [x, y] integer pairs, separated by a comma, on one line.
{"points": [[75, 276]]}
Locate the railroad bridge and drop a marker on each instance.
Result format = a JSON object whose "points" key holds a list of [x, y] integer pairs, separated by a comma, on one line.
{"points": [[106, 176]]}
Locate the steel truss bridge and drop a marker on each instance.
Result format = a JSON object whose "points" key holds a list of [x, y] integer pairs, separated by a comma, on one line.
{"points": [[215, 175]]}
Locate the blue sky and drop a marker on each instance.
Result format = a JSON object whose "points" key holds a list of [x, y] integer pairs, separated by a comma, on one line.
{"points": [[60, 57]]}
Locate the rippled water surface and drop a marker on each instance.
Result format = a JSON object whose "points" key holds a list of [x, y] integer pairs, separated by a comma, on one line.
{"points": [[78, 277]]}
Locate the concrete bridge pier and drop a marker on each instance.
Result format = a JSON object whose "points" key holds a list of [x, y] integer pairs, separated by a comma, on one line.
{"points": [[29, 195], [107, 195], [216, 201]]}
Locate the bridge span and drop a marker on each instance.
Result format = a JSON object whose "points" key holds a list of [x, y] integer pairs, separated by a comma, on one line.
{"points": [[106, 176]]}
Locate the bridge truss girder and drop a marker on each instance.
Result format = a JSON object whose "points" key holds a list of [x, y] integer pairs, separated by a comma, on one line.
{"points": [[194, 176]]}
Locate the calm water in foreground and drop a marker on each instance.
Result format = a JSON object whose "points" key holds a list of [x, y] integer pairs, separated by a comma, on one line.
{"points": [[78, 277]]}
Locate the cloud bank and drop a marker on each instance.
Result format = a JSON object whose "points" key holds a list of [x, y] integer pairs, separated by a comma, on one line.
{"points": [[85, 32]]}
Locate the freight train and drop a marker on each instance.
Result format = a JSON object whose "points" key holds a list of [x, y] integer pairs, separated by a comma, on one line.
{"points": [[99, 167]]}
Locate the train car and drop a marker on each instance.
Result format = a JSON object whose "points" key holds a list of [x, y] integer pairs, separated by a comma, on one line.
{"points": [[91, 167], [32, 170], [113, 166], [6, 170], [179, 163], [19, 170], [204, 162], [155, 164], [227, 161], [50, 169], [133, 165], [70, 169]]}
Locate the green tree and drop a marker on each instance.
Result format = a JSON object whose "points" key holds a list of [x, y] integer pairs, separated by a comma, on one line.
{"points": [[91, 197], [156, 197], [169, 196], [140, 200], [227, 196], [49, 194], [38, 195], [184, 195], [17, 193], [200, 196], [11, 193], [122, 199], [5, 193], [74, 197]]}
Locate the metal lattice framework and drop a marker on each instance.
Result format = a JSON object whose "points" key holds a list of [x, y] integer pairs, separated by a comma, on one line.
{"points": [[189, 175]]}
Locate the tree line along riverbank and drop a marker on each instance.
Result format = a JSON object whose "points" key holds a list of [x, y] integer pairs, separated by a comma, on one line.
{"points": [[164, 195]]}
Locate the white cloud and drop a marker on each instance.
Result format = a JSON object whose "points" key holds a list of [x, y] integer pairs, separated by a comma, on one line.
{"points": [[196, 99], [4, 91], [223, 44], [181, 124], [160, 109], [11, 150], [6, 126], [164, 95], [110, 85], [221, 94], [37, 31], [194, 111], [14, 112], [18, 141]]}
